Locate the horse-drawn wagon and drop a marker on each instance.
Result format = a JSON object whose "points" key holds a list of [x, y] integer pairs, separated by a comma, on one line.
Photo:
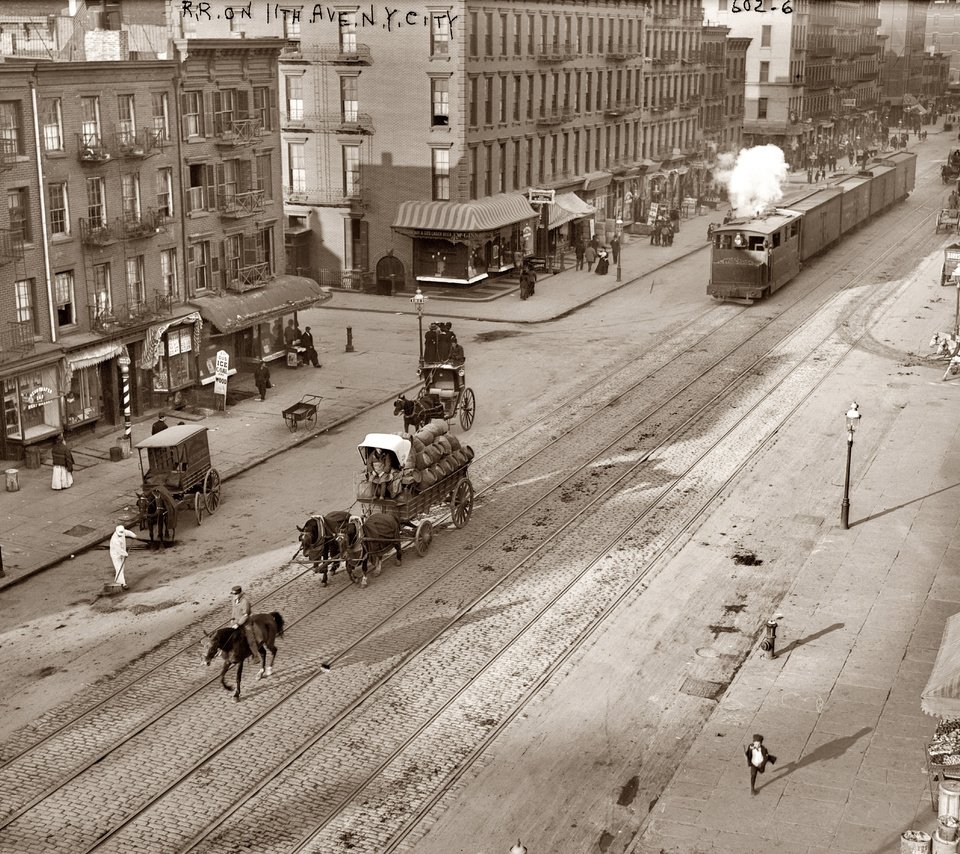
{"points": [[177, 474], [948, 219]]}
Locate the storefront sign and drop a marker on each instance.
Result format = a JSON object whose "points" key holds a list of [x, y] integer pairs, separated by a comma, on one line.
{"points": [[38, 397], [540, 197], [223, 369], [652, 213]]}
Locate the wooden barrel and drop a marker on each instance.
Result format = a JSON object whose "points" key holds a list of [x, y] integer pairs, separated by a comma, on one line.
{"points": [[944, 846], [915, 842], [949, 798]]}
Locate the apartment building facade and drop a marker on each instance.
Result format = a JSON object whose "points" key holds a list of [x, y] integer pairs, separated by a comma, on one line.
{"points": [[904, 23]]}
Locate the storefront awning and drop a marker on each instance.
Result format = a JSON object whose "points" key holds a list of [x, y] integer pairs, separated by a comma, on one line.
{"points": [[597, 180], [567, 207], [487, 214], [151, 341], [89, 357], [283, 295], [941, 696]]}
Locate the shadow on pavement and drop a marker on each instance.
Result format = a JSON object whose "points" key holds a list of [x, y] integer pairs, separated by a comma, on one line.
{"points": [[830, 750], [901, 506], [790, 647]]}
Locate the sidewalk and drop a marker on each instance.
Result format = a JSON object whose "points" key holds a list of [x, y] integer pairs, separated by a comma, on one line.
{"points": [[40, 527], [840, 704]]}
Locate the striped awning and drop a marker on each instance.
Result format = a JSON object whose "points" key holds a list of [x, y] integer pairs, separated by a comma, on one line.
{"points": [[941, 696], [487, 214], [567, 207]]}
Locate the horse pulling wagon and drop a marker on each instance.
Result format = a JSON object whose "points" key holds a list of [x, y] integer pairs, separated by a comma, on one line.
{"points": [[176, 470], [444, 394]]}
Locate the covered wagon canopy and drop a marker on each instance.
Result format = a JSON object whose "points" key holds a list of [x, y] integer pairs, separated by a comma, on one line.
{"points": [[386, 442], [172, 436], [941, 696]]}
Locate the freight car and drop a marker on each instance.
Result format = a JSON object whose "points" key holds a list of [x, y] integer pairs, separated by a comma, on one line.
{"points": [[751, 257]]}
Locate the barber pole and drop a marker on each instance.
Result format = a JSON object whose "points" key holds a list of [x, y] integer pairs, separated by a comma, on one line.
{"points": [[123, 360]]}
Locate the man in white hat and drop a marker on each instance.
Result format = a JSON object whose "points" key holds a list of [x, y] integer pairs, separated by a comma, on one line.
{"points": [[118, 553]]}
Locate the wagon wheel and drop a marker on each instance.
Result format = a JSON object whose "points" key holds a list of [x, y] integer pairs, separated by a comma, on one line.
{"points": [[211, 490], [291, 420], [468, 408], [461, 503], [198, 506], [423, 536], [311, 418]]}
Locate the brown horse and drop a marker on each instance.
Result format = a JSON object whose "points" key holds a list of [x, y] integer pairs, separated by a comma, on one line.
{"points": [[359, 540], [158, 512], [318, 541], [231, 645]]}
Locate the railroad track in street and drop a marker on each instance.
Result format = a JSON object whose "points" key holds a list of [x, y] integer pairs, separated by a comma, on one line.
{"points": [[537, 503]]}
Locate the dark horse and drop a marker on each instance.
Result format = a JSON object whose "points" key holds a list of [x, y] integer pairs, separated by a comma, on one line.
{"points": [[373, 537], [231, 645], [417, 412], [158, 512], [318, 541]]}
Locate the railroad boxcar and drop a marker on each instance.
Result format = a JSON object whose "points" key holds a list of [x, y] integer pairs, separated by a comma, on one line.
{"points": [[743, 268]]}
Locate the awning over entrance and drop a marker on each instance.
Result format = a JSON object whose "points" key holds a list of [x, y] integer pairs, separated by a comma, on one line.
{"points": [[567, 207], [151, 341], [284, 294], [487, 214], [597, 180], [941, 696], [89, 357]]}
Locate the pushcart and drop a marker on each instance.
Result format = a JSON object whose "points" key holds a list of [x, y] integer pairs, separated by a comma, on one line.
{"points": [[304, 411]]}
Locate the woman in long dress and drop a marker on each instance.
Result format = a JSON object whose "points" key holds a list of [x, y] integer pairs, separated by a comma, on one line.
{"points": [[62, 465], [603, 262]]}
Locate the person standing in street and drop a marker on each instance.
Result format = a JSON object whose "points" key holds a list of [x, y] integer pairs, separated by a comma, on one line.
{"points": [[159, 425], [580, 251], [240, 615], [757, 758], [62, 465], [309, 352], [261, 376], [590, 253], [118, 554], [615, 249]]}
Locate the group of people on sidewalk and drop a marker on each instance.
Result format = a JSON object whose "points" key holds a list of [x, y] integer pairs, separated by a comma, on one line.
{"points": [[593, 251]]}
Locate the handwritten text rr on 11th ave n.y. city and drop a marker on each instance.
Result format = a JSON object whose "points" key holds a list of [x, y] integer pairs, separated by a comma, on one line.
{"points": [[390, 18]]}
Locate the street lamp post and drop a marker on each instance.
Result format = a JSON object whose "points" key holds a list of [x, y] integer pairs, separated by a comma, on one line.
{"points": [[619, 247], [123, 360], [418, 299], [853, 419]]}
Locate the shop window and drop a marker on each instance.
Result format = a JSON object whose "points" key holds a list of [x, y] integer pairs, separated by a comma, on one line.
{"points": [[175, 368], [83, 398], [31, 405], [64, 292]]}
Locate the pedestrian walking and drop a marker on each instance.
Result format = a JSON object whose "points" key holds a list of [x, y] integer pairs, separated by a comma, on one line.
{"points": [[309, 352], [655, 232], [615, 249], [591, 255], [809, 174], [118, 554], [159, 425], [261, 376], [527, 280], [580, 251], [757, 758], [603, 262], [62, 465]]}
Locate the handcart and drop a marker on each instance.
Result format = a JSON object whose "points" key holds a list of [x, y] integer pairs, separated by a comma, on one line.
{"points": [[304, 411]]}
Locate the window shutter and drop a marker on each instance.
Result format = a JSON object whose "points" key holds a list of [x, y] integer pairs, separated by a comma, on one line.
{"points": [[207, 121], [243, 104], [214, 177], [218, 113], [183, 115]]}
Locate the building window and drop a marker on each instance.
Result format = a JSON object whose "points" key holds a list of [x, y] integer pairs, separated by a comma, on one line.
{"points": [[102, 298], [294, 85], [503, 99], [351, 170], [18, 212], [264, 165], [349, 100], [10, 138], [191, 104], [529, 96], [474, 170], [224, 111], [474, 99], [516, 97], [488, 33], [169, 283], [127, 124], [504, 34], [261, 106], [66, 304], [440, 167], [761, 108], [264, 248], [176, 366], [200, 263], [136, 286], [440, 35], [291, 24], [474, 26], [516, 164], [488, 100], [764, 72], [90, 121], [348, 32], [200, 195], [440, 99], [160, 109], [51, 124], [297, 158], [59, 212], [488, 169], [23, 291], [130, 194], [517, 34], [502, 168], [232, 257], [765, 35], [165, 192]]}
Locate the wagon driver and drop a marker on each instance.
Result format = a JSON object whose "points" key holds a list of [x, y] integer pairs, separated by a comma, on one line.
{"points": [[241, 617]]}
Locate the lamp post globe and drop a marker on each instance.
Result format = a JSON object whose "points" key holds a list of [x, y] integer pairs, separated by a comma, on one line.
{"points": [[853, 421]]}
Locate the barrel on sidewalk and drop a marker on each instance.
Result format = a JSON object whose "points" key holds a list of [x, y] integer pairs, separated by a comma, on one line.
{"points": [[31, 457], [13, 480]]}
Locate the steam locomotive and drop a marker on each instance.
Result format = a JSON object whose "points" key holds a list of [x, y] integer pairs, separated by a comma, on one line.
{"points": [[752, 257]]}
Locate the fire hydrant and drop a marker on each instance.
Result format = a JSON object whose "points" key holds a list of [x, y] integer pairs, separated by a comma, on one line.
{"points": [[518, 848], [769, 642]]}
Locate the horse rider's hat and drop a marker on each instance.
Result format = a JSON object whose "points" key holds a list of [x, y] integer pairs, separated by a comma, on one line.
{"points": [[236, 590]]}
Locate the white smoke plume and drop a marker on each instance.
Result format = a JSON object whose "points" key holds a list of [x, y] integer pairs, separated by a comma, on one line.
{"points": [[754, 180]]}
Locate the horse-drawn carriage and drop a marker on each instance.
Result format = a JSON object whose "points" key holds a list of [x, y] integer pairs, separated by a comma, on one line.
{"points": [[398, 494], [444, 394], [951, 169], [948, 220], [176, 470]]}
